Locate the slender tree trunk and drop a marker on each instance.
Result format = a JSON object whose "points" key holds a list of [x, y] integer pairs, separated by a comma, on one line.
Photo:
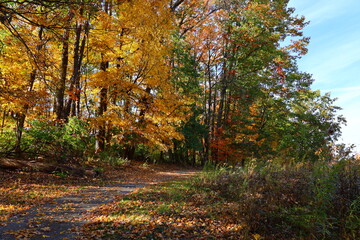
{"points": [[171, 155], [101, 135], [79, 50], [144, 101], [103, 104], [176, 152], [227, 107], [20, 123], [60, 91], [22, 116], [161, 157], [19, 130], [3, 122], [207, 141], [77, 110], [193, 162], [220, 113], [129, 152]]}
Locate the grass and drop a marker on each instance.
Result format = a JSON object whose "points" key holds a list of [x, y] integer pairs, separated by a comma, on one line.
{"points": [[260, 201]]}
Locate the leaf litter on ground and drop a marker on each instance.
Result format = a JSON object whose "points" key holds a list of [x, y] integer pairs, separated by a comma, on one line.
{"points": [[27, 189]]}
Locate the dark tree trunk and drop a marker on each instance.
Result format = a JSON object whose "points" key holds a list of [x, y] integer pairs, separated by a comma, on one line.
{"points": [[3, 121], [60, 91], [104, 65], [22, 116], [129, 152], [146, 101], [171, 155], [101, 135], [79, 50]]}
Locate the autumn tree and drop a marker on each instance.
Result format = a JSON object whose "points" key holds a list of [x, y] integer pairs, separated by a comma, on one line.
{"points": [[193, 80], [248, 74], [25, 62], [137, 102]]}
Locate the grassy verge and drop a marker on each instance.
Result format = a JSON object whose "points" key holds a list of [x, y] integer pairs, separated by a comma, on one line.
{"points": [[261, 201]]}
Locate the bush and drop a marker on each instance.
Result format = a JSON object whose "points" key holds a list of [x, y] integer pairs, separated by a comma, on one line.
{"points": [[59, 141], [113, 158], [303, 201], [7, 142]]}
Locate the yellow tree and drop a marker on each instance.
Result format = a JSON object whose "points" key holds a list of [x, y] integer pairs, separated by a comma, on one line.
{"points": [[23, 65], [136, 101], [36, 37]]}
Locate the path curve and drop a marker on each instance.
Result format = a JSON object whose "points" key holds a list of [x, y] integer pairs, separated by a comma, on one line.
{"points": [[61, 218]]}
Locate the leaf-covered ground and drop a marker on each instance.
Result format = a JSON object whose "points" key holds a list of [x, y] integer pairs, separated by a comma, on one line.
{"points": [[318, 202], [23, 190], [173, 210], [61, 217], [19, 191]]}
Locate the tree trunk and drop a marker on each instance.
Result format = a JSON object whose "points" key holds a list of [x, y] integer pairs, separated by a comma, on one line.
{"points": [[101, 135], [60, 91], [129, 152], [3, 122], [22, 116], [208, 122], [104, 65], [79, 50]]}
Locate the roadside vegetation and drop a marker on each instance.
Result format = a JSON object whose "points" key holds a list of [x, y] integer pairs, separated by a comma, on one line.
{"points": [[258, 201], [90, 88]]}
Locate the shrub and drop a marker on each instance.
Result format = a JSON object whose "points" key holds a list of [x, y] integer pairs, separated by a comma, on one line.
{"points": [[113, 158], [303, 201], [7, 142], [62, 142]]}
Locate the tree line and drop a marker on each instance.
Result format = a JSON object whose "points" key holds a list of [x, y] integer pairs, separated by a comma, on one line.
{"points": [[184, 81]]}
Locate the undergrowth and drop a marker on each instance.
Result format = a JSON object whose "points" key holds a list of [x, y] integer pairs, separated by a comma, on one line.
{"points": [[259, 201], [303, 201]]}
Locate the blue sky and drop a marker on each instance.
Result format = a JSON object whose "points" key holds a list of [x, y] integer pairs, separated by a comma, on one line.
{"points": [[334, 55]]}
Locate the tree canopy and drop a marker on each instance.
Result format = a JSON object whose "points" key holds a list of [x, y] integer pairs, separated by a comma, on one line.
{"points": [[185, 80]]}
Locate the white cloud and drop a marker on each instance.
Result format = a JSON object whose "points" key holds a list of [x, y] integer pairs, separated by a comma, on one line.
{"points": [[325, 63], [321, 10], [346, 96], [350, 132], [347, 90], [349, 99], [334, 55]]}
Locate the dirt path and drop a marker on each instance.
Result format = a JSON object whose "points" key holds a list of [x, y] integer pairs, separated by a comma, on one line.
{"points": [[60, 218]]}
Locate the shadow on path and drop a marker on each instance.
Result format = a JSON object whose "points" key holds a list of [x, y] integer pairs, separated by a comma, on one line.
{"points": [[62, 217]]}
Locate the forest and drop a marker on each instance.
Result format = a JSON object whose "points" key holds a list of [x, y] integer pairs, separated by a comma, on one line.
{"points": [[182, 81], [211, 83]]}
